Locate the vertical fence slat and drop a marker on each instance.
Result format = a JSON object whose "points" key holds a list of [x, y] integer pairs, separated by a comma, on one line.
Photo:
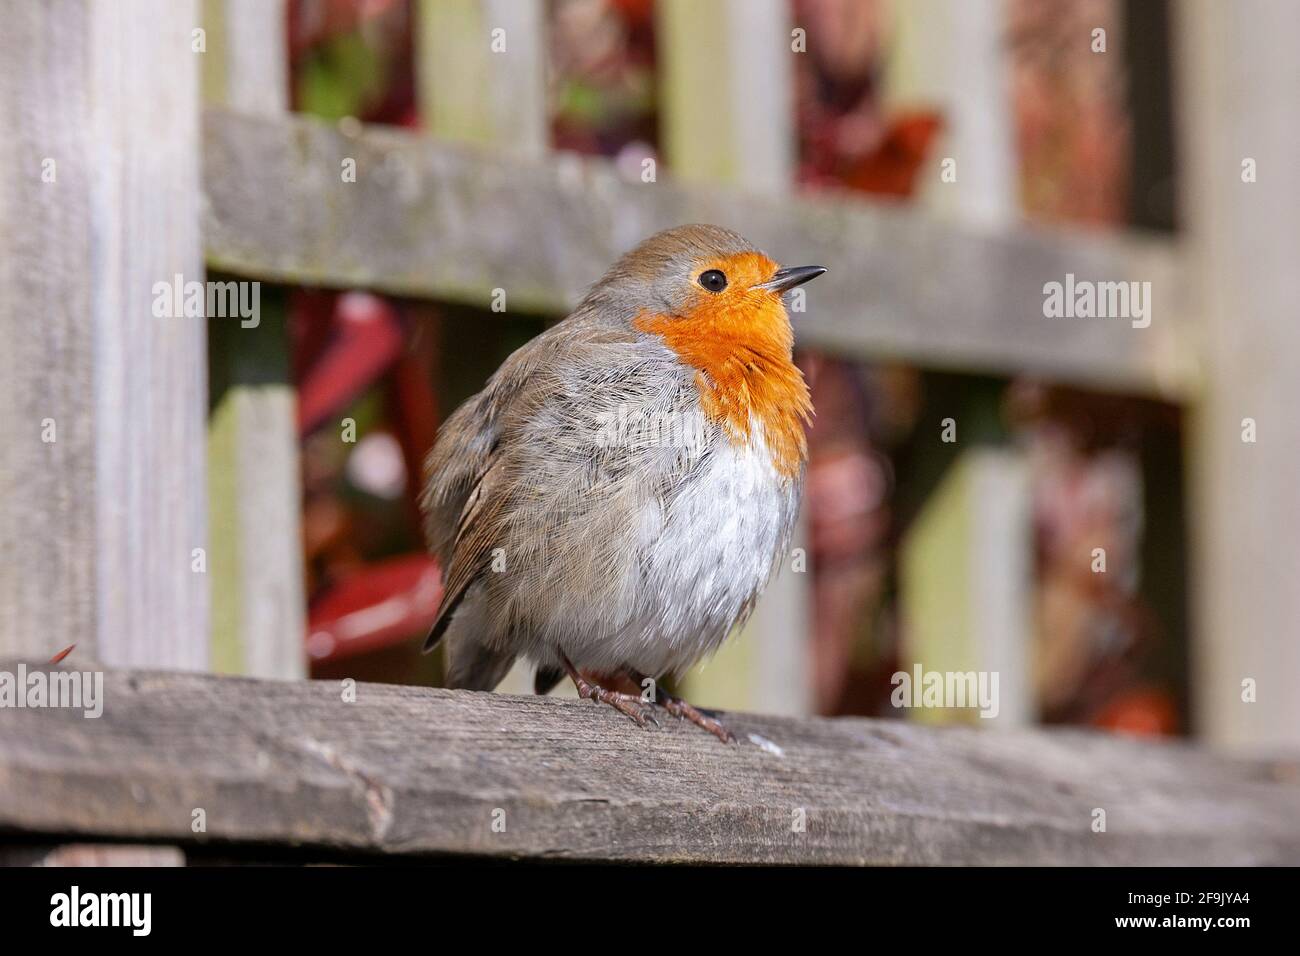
{"points": [[964, 581], [1236, 76], [98, 528], [726, 88], [965, 586], [256, 556], [246, 67], [726, 91], [481, 72]]}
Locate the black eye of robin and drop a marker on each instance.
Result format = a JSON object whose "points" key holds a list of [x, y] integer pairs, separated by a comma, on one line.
{"points": [[713, 280]]}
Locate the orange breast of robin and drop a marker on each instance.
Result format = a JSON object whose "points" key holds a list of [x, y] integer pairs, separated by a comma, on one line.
{"points": [[739, 341]]}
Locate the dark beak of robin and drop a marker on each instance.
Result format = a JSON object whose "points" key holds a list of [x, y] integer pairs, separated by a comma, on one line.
{"points": [[787, 279]]}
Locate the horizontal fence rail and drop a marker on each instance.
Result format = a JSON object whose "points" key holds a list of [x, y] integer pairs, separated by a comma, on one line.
{"points": [[407, 770], [431, 219]]}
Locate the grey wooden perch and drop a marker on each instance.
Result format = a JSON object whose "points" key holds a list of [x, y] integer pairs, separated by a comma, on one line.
{"points": [[409, 770]]}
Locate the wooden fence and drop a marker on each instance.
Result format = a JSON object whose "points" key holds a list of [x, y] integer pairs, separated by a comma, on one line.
{"points": [[125, 535], [248, 770]]}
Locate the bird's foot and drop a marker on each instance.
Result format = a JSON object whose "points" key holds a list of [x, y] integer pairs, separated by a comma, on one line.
{"points": [[641, 711], [684, 711]]}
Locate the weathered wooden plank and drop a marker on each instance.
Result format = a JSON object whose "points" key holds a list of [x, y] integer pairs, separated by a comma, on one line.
{"points": [[99, 202], [1239, 200], [443, 221], [419, 770]]}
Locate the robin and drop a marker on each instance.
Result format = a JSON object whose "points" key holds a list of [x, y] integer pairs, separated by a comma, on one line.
{"points": [[616, 498]]}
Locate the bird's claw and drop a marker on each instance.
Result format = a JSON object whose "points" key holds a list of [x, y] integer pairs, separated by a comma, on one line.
{"points": [[684, 711], [641, 711]]}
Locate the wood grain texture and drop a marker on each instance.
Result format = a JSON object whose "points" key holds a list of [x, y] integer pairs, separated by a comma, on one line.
{"points": [[1242, 239], [415, 770], [98, 528], [47, 520], [440, 220]]}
